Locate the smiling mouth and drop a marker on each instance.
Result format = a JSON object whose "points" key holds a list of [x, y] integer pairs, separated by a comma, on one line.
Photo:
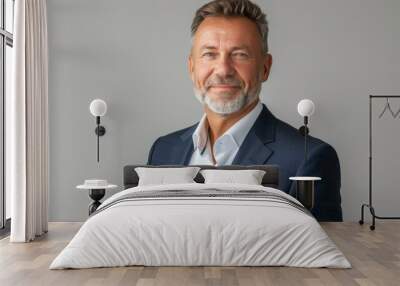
{"points": [[224, 87]]}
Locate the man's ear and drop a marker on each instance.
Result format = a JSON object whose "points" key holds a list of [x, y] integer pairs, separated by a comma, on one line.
{"points": [[266, 66], [191, 67]]}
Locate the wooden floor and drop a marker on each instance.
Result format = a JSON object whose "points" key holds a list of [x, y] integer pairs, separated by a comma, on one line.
{"points": [[374, 255]]}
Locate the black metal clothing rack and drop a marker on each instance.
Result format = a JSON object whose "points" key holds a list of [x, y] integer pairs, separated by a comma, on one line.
{"points": [[369, 205]]}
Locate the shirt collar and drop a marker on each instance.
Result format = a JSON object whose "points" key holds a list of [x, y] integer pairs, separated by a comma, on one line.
{"points": [[200, 135], [238, 131]]}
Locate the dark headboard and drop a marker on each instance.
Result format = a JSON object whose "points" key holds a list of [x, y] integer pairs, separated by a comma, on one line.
{"points": [[270, 179]]}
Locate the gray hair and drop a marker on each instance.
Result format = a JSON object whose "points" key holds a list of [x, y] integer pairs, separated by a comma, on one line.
{"points": [[234, 8]]}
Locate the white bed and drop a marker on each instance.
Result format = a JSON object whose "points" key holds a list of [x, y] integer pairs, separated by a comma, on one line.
{"points": [[202, 231]]}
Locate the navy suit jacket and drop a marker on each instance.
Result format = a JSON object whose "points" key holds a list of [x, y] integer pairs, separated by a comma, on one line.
{"points": [[270, 141]]}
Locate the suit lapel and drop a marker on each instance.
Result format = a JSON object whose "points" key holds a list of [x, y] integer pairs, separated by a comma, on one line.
{"points": [[186, 150], [253, 150]]}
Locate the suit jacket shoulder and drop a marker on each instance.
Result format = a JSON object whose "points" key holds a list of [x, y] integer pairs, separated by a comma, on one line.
{"points": [[290, 134], [167, 149]]}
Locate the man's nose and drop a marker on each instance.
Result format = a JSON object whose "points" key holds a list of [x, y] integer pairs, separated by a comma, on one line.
{"points": [[224, 66]]}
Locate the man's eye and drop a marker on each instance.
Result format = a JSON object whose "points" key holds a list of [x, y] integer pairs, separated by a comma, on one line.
{"points": [[241, 55], [208, 55]]}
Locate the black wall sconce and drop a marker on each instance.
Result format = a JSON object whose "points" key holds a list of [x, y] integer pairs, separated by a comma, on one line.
{"points": [[98, 108], [305, 108]]}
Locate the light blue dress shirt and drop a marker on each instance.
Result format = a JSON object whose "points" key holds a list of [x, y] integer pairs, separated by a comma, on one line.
{"points": [[227, 145]]}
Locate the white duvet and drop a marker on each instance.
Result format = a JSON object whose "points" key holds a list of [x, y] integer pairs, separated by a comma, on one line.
{"points": [[200, 231]]}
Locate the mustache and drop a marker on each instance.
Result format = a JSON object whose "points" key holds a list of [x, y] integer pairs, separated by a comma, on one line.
{"points": [[231, 81]]}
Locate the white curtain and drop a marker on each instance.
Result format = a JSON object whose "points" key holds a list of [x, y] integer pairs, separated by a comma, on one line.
{"points": [[27, 141]]}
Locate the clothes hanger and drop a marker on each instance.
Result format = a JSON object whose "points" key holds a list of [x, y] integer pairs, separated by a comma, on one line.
{"points": [[387, 106]]}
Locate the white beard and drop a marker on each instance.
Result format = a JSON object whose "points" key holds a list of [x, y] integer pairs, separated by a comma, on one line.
{"points": [[225, 108]]}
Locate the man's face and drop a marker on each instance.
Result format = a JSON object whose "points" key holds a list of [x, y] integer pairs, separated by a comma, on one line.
{"points": [[227, 63]]}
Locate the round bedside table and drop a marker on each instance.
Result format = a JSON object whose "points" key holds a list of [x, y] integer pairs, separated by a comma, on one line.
{"points": [[305, 190], [96, 193]]}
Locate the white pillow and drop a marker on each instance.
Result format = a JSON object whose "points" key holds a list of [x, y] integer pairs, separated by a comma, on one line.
{"points": [[248, 177], [162, 176]]}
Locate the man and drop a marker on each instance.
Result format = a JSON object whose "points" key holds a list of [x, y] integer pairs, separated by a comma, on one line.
{"points": [[228, 63]]}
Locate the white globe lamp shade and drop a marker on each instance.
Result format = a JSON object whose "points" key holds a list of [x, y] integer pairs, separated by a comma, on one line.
{"points": [[305, 107], [98, 107]]}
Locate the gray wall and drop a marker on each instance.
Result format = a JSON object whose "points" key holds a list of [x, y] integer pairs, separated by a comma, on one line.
{"points": [[133, 55]]}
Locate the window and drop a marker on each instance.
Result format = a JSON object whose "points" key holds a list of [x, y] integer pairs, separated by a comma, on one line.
{"points": [[6, 44]]}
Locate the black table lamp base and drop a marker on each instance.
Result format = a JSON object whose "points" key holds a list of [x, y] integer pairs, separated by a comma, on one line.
{"points": [[305, 193], [96, 195]]}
